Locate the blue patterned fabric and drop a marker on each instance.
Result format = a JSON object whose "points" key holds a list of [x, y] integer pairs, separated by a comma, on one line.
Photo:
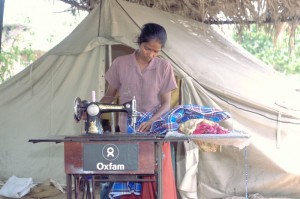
{"points": [[172, 119], [125, 188]]}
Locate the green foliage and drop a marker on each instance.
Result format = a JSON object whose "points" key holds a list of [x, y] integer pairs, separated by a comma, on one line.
{"points": [[5, 66], [15, 55], [259, 43], [17, 51]]}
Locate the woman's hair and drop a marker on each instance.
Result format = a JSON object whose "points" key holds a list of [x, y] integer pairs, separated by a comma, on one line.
{"points": [[152, 31]]}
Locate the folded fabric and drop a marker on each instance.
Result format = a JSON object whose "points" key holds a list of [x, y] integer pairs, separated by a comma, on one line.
{"points": [[189, 126], [202, 126], [171, 120]]}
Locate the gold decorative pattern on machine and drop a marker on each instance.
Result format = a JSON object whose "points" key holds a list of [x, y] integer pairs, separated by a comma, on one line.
{"points": [[93, 127]]}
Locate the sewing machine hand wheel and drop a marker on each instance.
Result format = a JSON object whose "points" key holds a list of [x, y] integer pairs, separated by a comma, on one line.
{"points": [[77, 109]]}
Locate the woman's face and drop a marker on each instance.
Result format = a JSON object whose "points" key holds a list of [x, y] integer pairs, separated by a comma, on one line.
{"points": [[149, 50]]}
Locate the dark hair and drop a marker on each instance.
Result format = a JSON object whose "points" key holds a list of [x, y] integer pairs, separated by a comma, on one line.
{"points": [[152, 31]]}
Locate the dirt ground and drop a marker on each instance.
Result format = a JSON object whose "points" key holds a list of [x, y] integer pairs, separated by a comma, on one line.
{"points": [[50, 190]]}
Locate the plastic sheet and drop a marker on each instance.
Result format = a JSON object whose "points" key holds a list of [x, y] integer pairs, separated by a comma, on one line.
{"points": [[16, 187]]}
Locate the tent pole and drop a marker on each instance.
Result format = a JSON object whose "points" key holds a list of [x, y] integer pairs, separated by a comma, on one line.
{"points": [[112, 114]]}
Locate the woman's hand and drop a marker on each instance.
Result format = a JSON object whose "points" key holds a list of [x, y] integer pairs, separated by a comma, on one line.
{"points": [[145, 127]]}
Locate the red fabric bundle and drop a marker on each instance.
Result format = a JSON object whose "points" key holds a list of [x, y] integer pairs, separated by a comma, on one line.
{"points": [[209, 127]]}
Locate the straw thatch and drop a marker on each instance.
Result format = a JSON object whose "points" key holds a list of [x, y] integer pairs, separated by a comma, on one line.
{"points": [[269, 13], [218, 11]]}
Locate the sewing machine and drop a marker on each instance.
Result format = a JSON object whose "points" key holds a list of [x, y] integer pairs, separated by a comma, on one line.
{"points": [[90, 112]]}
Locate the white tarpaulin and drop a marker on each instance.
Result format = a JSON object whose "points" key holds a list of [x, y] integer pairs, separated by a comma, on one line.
{"points": [[38, 102]]}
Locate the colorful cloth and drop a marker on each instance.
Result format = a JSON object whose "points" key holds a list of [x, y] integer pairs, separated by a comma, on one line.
{"points": [[171, 120], [210, 127]]}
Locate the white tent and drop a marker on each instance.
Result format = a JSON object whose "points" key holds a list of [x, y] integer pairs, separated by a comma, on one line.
{"points": [[38, 102]]}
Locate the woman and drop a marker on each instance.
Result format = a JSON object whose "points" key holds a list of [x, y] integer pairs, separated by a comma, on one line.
{"points": [[143, 75], [147, 77]]}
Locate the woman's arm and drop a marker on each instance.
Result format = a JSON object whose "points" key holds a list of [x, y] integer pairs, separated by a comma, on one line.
{"points": [[110, 95]]}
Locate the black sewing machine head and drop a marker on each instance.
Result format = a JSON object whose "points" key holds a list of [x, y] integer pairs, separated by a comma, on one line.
{"points": [[91, 112]]}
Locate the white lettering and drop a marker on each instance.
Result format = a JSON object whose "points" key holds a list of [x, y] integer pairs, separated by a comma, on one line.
{"points": [[108, 167]]}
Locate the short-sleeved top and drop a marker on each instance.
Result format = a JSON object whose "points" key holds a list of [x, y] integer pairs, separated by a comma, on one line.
{"points": [[147, 86]]}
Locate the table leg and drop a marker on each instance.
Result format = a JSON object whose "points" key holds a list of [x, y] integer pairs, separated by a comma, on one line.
{"points": [[69, 186], [92, 187], [159, 169], [77, 185]]}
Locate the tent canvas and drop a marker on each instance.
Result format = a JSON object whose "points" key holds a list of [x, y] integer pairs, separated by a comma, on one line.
{"points": [[38, 102]]}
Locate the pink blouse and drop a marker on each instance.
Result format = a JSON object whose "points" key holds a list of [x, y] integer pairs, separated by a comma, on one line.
{"points": [[147, 86]]}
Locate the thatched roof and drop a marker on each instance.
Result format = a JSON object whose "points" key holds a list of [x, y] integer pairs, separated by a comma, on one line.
{"points": [[230, 11], [241, 13], [218, 11]]}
